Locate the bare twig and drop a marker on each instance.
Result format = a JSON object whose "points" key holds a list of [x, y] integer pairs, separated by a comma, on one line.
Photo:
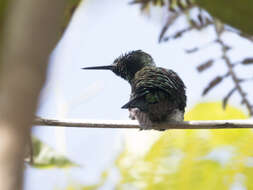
{"points": [[193, 25], [226, 98], [170, 20], [218, 124], [217, 80], [238, 85], [233, 75]]}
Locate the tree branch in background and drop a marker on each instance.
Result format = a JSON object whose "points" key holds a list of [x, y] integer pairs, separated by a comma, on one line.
{"points": [[221, 29], [29, 36], [235, 79], [219, 124], [199, 19]]}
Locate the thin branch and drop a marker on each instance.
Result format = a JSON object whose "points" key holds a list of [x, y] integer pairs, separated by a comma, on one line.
{"points": [[233, 75], [217, 124], [170, 20], [238, 85]]}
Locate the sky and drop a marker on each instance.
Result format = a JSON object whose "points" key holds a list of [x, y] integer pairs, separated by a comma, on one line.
{"points": [[100, 31]]}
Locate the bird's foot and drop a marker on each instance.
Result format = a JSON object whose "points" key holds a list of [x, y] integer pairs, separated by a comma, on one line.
{"points": [[145, 125]]}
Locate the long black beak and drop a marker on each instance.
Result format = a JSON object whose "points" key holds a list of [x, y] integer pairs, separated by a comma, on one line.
{"points": [[107, 67]]}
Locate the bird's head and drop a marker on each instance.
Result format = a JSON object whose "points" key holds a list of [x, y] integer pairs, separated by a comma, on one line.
{"points": [[128, 64]]}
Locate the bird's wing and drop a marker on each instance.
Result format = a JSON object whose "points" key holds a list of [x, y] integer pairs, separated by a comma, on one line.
{"points": [[156, 78], [152, 84]]}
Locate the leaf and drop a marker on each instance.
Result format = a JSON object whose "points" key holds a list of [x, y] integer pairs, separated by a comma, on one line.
{"points": [[193, 50], [172, 6], [180, 159], [73, 185], [219, 26], [176, 35], [201, 19], [146, 4], [46, 157], [236, 13], [205, 65], [170, 21], [212, 84], [226, 98], [214, 111], [193, 23], [247, 61]]}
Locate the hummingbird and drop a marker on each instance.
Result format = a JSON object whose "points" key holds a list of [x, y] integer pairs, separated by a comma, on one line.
{"points": [[157, 94]]}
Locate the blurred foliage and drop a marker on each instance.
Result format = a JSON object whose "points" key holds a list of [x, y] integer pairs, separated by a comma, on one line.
{"points": [[236, 13], [69, 11], [201, 112], [193, 159], [145, 4], [233, 12], [45, 157], [97, 186], [201, 14]]}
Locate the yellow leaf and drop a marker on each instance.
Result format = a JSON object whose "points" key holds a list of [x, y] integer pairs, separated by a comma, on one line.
{"points": [[214, 111], [192, 159]]}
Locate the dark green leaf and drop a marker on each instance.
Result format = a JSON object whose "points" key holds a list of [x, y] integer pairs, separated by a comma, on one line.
{"points": [[233, 12]]}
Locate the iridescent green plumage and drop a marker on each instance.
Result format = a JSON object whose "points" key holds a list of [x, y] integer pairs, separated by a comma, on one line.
{"points": [[158, 94], [155, 84]]}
